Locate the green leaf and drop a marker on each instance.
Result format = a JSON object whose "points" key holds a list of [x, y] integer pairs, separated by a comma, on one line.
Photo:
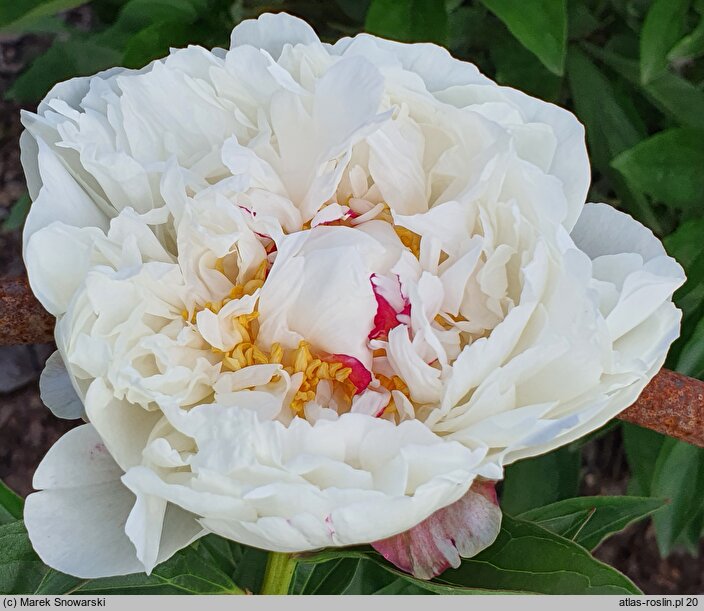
{"points": [[540, 26], [679, 477], [154, 41], [668, 167], [690, 46], [17, 15], [685, 245], [516, 68], [679, 98], [364, 571], [662, 28], [528, 558], [10, 505], [691, 358], [62, 61], [408, 20], [580, 21], [22, 571], [589, 520], [672, 94], [642, 448], [610, 129], [208, 566], [535, 482], [525, 558], [18, 213]]}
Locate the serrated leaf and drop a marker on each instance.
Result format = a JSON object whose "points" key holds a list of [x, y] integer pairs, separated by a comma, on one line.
{"points": [[667, 166], [540, 26], [408, 20], [662, 28], [589, 520], [679, 477], [535, 482], [10, 505]]}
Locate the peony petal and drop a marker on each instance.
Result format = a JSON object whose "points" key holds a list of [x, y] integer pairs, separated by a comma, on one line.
{"points": [[76, 524], [57, 390], [273, 32], [603, 230], [77, 521], [460, 530]]}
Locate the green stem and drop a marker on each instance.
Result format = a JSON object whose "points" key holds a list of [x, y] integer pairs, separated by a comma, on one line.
{"points": [[279, 573]]}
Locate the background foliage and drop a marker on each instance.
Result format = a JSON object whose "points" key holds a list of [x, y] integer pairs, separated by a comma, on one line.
{"points": [[633, 72]]}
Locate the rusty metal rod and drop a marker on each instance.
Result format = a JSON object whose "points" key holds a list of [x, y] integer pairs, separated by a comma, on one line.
{"points": [[22, 318], [672, 404]]}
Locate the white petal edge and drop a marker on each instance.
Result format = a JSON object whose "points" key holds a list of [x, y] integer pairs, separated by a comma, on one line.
{"points": [[57, 391]]}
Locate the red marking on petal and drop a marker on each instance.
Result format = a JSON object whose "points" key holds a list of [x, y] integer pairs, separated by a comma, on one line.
{"points": [[360, 376], [386, 317], [462, 529], [384, 320]]}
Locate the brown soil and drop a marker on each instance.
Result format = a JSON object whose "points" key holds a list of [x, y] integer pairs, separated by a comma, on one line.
{"points": [[28, 429]]}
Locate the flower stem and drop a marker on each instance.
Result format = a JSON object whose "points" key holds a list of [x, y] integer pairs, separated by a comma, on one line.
{"points": [[279, 573]]}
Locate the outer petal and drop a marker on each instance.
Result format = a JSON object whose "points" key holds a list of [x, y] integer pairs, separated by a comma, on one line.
{"points": [[76, 522], [57, 390], [272, 32], [462, 529]]}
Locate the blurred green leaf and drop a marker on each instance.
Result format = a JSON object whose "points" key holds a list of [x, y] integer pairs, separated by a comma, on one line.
{"points": [[62, 61], [610, 129], [10, 505], [154, 41], [691, 358], [540, 26], [408, 20], [689, 46], [668, 166], [679, 477], [662, 28], [679, 98], [642, 448], [580, 21], [538, 481], [522, 70], [589, 520], [685, 245], [18, 213], [19, 15], [355, 9]]}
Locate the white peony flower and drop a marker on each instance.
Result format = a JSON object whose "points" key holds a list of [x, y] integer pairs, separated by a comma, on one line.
{"points": [[307, 294]]}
